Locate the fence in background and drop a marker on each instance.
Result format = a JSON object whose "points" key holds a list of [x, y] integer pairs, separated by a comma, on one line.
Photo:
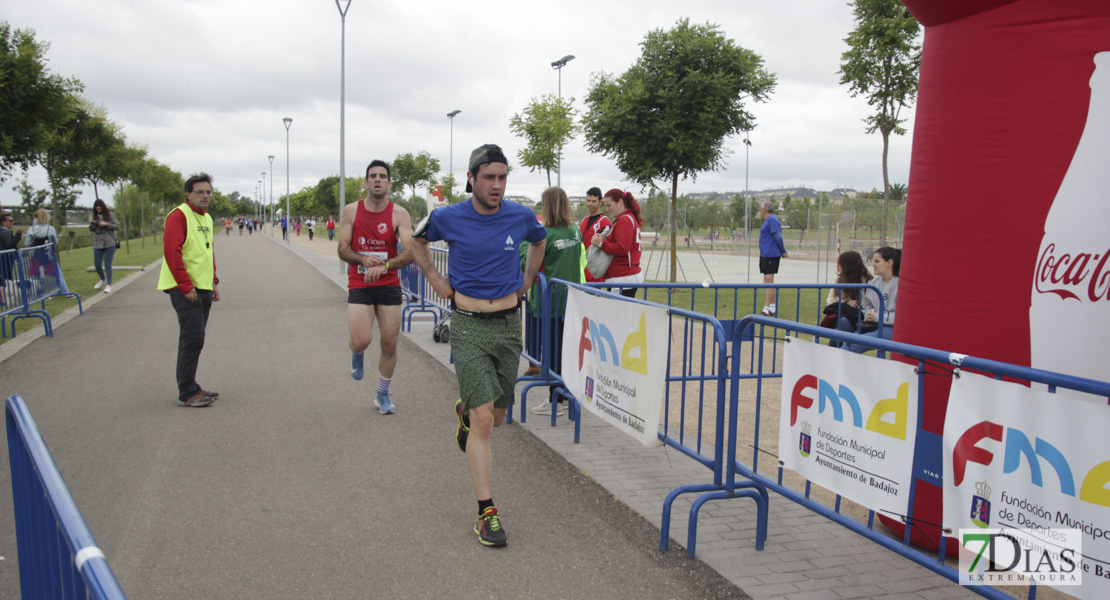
{"points": [[58, 557]]}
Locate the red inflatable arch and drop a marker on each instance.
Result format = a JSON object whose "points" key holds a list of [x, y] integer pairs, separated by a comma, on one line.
{"points": [[1006, 95]]}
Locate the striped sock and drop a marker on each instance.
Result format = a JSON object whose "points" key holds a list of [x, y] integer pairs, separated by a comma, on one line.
{"points": [[383, 384]]}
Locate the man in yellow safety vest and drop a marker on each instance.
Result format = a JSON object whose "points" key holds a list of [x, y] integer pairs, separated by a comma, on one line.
{"points": [[189, 276]]}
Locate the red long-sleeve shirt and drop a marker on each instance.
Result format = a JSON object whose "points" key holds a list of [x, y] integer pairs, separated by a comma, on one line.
{"points": [[172, 241], [623, 244]]}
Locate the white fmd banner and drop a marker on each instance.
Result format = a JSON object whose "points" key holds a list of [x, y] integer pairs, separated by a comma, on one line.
{"points": [[849, 423], [615, 361], [1018, 458]]}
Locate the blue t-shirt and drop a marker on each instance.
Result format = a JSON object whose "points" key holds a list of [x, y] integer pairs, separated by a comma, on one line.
{"points": [[483, 261], [769, 246]]}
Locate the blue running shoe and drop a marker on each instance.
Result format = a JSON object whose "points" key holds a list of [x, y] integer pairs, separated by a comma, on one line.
{"points": [[384, 404], [356, 365]]}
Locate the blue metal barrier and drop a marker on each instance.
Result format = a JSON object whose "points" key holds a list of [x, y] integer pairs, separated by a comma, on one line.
{"points": [[711, 356], [925, 467], [415, 285], [58, 557], [31, 275]]}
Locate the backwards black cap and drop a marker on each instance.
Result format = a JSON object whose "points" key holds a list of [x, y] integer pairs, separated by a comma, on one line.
{"points": [[484, 155]]}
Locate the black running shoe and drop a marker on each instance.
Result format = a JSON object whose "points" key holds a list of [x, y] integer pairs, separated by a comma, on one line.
{"points": [[462, 432], [489, 530]]}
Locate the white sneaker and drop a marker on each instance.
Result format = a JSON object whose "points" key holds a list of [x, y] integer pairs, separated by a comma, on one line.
{"points": [[544, 410], [108, 289], [99, 285]]}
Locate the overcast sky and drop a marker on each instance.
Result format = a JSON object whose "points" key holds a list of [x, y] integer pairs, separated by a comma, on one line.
{"points": [[204, 84]]}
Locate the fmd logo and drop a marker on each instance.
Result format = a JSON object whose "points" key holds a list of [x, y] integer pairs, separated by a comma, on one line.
{"points": [[596, 337], [841, 397], [981, 442]]}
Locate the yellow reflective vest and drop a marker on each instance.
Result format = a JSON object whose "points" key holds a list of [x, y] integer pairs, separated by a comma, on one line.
{"points": [[196, 252]]}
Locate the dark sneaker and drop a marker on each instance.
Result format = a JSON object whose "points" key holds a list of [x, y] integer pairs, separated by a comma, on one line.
{"points": [[196, 400], [211, 394], [463, 430], [356, 365], [384, 403], [489, 530]]}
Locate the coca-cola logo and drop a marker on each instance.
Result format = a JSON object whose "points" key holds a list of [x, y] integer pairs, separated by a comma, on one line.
{"points": [[1073, 275]]}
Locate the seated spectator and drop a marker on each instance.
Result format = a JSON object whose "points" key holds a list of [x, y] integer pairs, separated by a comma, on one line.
{"points": [[842, 304], [886, 263]]}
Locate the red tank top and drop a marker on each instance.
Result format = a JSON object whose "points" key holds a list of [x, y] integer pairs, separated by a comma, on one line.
{"points": [[373, 234]]}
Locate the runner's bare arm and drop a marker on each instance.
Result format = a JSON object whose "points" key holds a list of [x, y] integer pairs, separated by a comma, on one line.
{"points": [[404, 234], [424, 259], [533, 262]]}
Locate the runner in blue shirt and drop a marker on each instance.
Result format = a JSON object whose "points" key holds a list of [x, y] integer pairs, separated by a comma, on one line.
{"points": [[771, 250], [485, 285]]}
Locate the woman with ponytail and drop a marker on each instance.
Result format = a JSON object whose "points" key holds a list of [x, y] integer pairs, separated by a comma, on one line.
{"points": [[623, 241]]}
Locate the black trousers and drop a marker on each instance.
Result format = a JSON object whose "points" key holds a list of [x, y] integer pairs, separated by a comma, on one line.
{"points": [[192, 317]]}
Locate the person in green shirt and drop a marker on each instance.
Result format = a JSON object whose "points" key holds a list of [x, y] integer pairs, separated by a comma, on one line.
{"points": [[564, 258]]}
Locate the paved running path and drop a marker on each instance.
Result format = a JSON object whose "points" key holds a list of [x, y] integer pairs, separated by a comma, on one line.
{"points": [[292, 485]]}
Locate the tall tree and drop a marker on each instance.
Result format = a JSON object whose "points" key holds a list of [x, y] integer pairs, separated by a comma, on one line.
{"points": [[410, 170], [546, 124], [33, 102], [99, 153], [882, 63], [667, 117]]}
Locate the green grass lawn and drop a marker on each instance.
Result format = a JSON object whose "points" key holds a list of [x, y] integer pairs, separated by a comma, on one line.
{"points": [[803, 306], [75, 262]]}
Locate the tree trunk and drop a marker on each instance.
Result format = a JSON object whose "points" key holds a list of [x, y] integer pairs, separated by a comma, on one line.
{"points": [[674, 229]]}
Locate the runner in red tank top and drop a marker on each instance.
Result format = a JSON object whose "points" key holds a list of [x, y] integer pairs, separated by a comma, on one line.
{"points": [[368, 234]]}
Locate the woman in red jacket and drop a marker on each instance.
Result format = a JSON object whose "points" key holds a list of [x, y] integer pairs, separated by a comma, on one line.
{"points": [[623, 241]]}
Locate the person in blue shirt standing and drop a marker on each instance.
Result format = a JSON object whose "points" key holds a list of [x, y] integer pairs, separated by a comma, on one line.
{"points": [[485, 285], [771, 250]]}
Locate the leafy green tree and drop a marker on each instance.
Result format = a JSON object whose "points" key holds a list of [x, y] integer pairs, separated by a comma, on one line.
{"points": [[32, 199], [546, 124], [882, 63], [667, 117], [98, 152], [220, 204], [33, 102], [410, 170], [798, 212]]}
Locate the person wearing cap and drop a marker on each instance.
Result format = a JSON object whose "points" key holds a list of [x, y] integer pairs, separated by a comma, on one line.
{"points": [[188, 275], [368, 233], [485, 284]]}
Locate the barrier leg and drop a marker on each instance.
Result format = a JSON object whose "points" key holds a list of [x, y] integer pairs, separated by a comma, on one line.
{"points": [[665, 526], [760, 524]]}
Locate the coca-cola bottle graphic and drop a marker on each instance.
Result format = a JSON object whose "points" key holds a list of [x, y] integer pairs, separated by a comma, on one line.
{"points": [[1069, 318]]}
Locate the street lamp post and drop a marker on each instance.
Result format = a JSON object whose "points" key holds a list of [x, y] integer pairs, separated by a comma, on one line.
{"points": [[342, 112], [261, 212], [558, 66], [747, 207], [288, 221], [271, 157], [451, 152]]}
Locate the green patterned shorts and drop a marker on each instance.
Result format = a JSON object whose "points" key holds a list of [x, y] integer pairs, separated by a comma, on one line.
{"points": [[487, 358]]}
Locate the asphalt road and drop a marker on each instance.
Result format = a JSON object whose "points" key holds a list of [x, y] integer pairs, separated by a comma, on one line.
{"points": [[292, 485]]}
